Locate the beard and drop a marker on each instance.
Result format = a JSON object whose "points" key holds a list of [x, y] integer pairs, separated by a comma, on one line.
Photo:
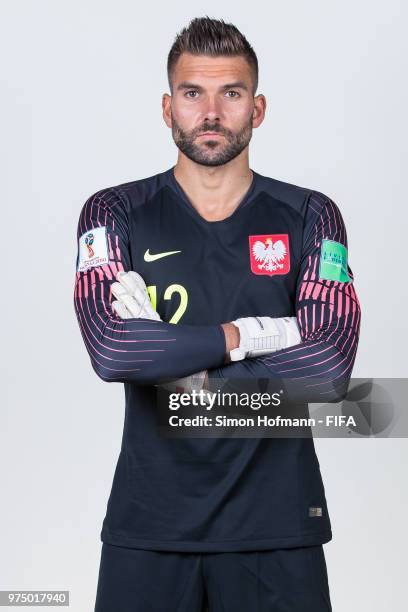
{"points": [[212, 152]]}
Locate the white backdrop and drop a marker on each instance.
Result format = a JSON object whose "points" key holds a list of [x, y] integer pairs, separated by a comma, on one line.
{"points": [[81, 110]]}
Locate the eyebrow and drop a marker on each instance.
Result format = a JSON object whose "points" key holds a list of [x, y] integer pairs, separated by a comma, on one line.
{"points": [[235, 85]]}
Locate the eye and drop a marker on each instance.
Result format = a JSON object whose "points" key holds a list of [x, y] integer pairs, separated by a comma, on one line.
{"points": [[232, 91], [191, 91]]}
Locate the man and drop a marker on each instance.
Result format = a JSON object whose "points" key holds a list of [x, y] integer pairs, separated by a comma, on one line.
{"points": [[235, 524]]}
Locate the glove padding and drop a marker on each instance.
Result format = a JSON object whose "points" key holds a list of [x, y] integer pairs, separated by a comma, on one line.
{"points": [[132, 297], [194, 382], [264, 335]]}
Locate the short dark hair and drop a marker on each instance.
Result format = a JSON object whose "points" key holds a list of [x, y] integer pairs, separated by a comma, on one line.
{"points": [[212, 37]]}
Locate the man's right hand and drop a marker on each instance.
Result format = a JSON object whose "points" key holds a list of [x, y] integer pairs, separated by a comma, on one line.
{"points": [[232, 338], [257, 336]]}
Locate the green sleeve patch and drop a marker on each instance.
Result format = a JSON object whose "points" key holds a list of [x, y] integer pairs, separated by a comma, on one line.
{"points": [[333, 261]]}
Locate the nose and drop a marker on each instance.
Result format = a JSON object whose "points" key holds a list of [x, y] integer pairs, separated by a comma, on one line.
{"points": [[212, 110]]}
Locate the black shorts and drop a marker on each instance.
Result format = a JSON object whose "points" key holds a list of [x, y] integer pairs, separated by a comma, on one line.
{"points": [[282, 580]]}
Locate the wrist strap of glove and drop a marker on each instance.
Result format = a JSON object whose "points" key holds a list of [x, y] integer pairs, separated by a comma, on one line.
{"points": [[264, 335]]}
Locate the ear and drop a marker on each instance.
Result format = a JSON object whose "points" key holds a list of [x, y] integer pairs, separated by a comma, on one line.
{"points": [[258, 114], [166, 108]]}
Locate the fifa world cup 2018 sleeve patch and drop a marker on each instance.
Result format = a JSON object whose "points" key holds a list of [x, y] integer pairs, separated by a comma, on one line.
{"points": [[93, 249], [333, 261]]}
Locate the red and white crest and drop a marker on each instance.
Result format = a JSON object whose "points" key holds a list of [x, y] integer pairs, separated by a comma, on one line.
{"points": [[269, 254]]}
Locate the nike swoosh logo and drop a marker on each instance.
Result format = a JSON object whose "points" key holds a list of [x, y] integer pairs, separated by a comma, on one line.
{"points": [[149, 257]]}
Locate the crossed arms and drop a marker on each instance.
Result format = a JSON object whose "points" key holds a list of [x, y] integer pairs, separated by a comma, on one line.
{"points": [[150, 352]]}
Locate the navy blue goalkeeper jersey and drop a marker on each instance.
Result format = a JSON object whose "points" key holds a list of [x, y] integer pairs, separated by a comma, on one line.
{"points": [[282, 252]]}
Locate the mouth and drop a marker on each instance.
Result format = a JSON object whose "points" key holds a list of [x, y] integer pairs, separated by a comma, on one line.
{"points": [[210, 134]]}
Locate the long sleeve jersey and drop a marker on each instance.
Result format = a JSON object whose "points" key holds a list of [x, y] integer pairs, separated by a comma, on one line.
{"points": [[282, 252]]}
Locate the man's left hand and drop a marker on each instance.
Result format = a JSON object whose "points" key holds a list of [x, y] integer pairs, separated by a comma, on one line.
{"points": [[132, 301], [132, 298]]}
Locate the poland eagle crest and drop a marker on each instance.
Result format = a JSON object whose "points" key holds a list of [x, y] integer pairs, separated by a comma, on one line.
{"points": [[269, 254]]}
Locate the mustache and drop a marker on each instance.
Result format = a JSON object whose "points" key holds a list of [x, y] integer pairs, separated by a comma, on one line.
{"points": [[211, 128]]}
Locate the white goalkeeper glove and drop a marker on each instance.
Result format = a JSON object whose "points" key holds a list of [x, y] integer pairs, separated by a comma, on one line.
{"points": [[264, 335], [132, 298], [194, 382], [133, 302]]}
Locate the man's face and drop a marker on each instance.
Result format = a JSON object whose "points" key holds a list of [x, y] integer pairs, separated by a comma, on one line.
{"points": [[212, 109]]}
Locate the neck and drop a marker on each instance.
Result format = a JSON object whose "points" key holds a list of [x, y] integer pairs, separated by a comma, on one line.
{"points": [[215, 191]]}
